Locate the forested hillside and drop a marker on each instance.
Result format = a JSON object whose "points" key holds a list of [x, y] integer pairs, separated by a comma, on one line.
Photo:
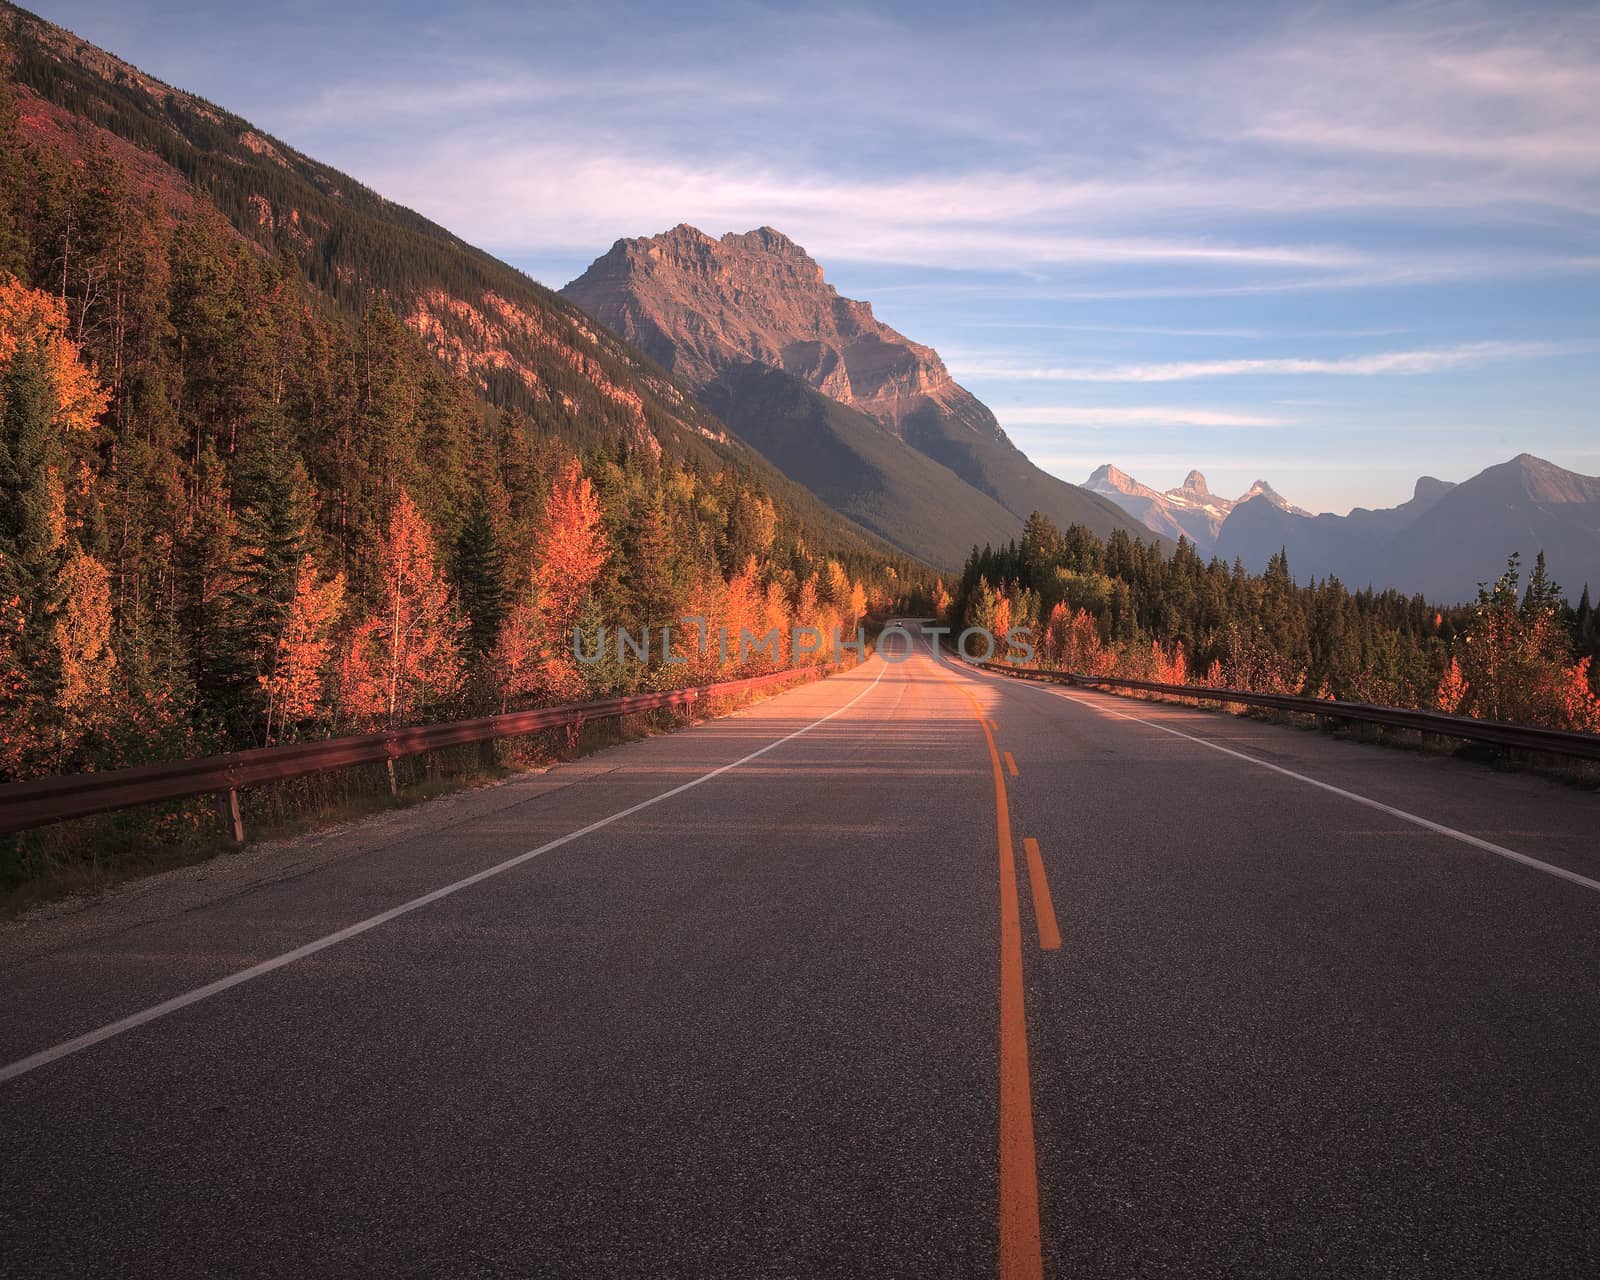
{"points": [[1122, 607], [232, 514], [522, 346]]}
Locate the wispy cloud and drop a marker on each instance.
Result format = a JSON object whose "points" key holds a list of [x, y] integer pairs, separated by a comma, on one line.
{"points": [[1168, 331], [1094, 145], [1430, 360], [1134, 416]]}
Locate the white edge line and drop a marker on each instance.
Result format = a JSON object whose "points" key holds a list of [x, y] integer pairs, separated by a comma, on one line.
{"points": [[139, 1019], [1488, 846]]}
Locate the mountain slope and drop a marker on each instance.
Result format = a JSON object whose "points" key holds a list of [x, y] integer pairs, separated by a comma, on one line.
{"points": [[525, 348], [1443, 541], [1321, 545], [702, 307], [844, 458]]}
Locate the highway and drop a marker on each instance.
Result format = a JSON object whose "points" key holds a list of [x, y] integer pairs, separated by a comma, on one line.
{"points": [[780, 995]]}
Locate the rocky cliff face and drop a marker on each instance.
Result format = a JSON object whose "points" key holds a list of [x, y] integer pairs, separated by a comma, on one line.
{"points": [[701, 306]]}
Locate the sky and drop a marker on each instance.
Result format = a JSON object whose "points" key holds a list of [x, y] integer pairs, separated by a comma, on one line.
{"points": [[1333, 246]]}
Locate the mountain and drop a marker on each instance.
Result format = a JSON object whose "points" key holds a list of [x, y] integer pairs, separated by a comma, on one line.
{"points": [[1322, 545], [711, 311], [525, 348], [857, 468], [1191, 510], [1445, 540]]}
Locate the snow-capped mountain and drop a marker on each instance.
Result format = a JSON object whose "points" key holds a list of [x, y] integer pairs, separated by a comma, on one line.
{"points": [[1190, 510]]}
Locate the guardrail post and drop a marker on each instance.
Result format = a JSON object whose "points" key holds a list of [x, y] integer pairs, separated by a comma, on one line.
{"points": [[394, 786], [230, 817]]}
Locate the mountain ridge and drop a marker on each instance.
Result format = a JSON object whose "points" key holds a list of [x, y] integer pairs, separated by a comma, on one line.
{"points": [[1443, 541]]}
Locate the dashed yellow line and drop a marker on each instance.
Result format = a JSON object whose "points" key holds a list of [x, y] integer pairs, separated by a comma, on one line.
{"points": [[1044, 911]]}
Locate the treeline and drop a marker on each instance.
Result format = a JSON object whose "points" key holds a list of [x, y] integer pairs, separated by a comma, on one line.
{"points": [[231, 515], [1125, 607]]}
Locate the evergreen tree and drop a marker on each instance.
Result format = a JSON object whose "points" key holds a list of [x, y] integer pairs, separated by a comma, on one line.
{"points": [[33, 554], [480, 574], [13, 243]]}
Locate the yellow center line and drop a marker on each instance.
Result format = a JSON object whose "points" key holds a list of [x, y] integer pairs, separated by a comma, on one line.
{"points": [[1021, 1255], [1011, 765], [1044, 912]]}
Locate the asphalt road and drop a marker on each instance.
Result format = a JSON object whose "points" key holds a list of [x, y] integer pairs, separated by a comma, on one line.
{"points": [[768, 997]]}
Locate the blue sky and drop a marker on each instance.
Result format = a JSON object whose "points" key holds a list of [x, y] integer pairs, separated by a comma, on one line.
{"points": [[1336, 247]]}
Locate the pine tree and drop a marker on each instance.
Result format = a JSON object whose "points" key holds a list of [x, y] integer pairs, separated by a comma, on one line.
{"points": [[480, 574], [13, 243], [1586, 626], [654, 587]]}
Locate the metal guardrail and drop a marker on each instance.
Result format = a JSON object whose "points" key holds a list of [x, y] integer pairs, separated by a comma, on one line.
{"points": [[1500, 733], [39, 801]]}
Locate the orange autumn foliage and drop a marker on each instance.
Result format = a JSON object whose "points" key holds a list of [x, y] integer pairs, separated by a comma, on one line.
{"points": [[83, 638], [1452, 692], [1579, 704], [533, 655], [571, 548], [296, 684], [30, 316], [407, 657]]}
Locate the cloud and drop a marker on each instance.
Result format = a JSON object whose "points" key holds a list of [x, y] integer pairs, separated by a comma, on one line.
{"points": [[1173, 332], [1095, 416], [1475, 93], [1423, 145], [554, 194], [1428, 360]]}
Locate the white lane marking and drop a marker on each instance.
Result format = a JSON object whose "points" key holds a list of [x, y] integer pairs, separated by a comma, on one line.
{"points": [[1488, 846], [89, 1039]]}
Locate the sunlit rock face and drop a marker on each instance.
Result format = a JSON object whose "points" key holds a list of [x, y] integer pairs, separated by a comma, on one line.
{"points": [[700, 305]]}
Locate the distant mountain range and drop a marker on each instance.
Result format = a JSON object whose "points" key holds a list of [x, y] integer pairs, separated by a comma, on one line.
{"points": [[865, 418], [1191, 510], [1442, 543]]}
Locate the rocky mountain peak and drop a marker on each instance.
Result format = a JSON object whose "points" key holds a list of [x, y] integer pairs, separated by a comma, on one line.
{"points": [[1190, 510], [768, 240], [702, 306], [1112, 477]]}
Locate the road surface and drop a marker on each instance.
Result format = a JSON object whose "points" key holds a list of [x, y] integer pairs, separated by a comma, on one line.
{"points": [[779, 995]]}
